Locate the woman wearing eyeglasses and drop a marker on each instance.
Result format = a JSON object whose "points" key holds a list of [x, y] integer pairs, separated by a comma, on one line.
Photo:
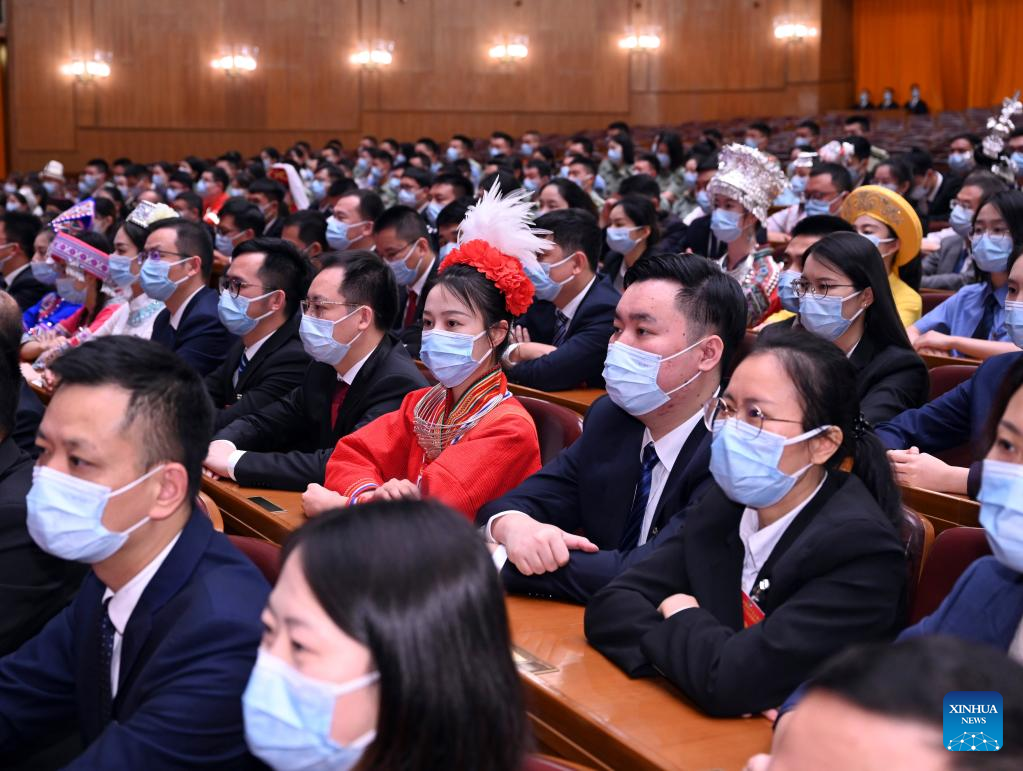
{"points": [[786, 560], [845, 298]]}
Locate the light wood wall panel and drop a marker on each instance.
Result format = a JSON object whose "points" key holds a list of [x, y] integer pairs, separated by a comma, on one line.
{"points": [[719, 60]]}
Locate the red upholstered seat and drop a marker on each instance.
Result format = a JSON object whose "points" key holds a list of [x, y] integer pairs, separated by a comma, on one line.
{"points": [[556, 426], [264, 555], [917, 535], [953, 551]]}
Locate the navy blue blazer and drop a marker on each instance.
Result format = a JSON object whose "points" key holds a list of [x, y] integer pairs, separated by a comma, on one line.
{"points": [[589, 488], [579, 360], [186, 656], [953, 419], [200, 338]]}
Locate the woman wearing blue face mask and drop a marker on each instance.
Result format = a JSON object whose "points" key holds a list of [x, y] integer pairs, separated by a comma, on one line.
{"points": [[358, 649], [617, 164], [786, 560], [668, 148], [972, 321], [466, 440], [52, 309], [845, 299], [560, 193], [633, 230]]}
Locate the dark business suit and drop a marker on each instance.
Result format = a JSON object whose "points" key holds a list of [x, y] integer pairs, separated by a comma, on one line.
{"points": [[278, 367], [836, 578], [27, 419], [941, 206], [956, 418], [589, 488], [25, 289], [412, 336], [186, 655], [288, 442], [579, 359], [200, 338], [943, 269], [33, 585]]}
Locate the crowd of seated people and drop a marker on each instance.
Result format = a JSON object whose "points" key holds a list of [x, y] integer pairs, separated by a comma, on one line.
{"points": [[753, 312]]}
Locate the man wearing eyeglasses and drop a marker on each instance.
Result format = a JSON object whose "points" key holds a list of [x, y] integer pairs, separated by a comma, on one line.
{"points": [[360, 371], [176, 265], [259, 301]]}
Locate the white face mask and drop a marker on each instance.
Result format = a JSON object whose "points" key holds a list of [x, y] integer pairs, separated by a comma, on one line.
{"points": [[65, 515]]}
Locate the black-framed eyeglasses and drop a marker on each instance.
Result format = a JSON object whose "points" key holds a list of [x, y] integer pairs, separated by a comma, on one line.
{"points": [[716, 409], [234, 286], [156, 254], [802, 287], [316, 308]]}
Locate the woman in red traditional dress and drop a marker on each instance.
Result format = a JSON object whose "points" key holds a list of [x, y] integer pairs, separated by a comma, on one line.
{"points": [[466, 440]]}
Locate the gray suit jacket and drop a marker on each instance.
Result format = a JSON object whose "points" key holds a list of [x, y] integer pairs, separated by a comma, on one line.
{"points": [[940, 266]]}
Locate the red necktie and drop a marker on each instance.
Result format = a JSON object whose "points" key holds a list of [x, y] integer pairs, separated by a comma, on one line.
{"points": [[335, 403], [410, 309]]}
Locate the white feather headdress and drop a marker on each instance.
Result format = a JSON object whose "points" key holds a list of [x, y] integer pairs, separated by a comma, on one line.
{"points": [[506, 223]]}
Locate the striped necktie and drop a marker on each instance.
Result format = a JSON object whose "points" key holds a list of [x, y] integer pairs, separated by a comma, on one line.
{"points": [[633, 526], [242, 365], [561, 330]]}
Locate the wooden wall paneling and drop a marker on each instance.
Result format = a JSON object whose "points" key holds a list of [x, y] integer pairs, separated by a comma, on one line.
{"points": [[836, 58]]}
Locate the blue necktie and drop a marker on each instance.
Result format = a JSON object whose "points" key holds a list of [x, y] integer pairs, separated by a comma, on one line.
{"points": [[106, 654], [241, 368], [630, 536], [987, 321]]}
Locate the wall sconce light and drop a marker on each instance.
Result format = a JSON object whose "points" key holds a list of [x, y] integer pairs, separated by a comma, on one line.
{"points": [[640, 40], [379, 53], [237, 61], [793, 32], [513, 48], [88, 70]]}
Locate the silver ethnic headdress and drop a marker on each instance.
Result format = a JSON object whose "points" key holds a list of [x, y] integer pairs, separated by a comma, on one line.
{"points": [[749, 177], [999, 127]]}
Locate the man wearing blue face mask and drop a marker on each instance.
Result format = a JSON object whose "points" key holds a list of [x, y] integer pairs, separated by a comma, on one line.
{"points": [[17, 235], [561, 340], [350, 226], [460, 147], [150, 659], [402, 241], [961, 152], [414, 190], [178, 260], [238, 221], [1015, 148], [360, 371], [825, 189], [259, 298], [644, 452]]}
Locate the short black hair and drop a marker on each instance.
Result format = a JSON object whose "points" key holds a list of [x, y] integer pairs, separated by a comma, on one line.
{"points": [[840, 176], [908, 680], [101, 164], [422, 177], [506, 179], [405, 221], [861, 120], [283, 268], [762, 127], [585, 141], [582, 160], [181, 177], [271, 188], [505, 136], [860, 146], [709, 162], [640, 184], [312, 227], [459, 184], [219, 175], [970, 137], [166, 394], [619, 125], [574, 230], [454, 212], [428, 141], [371, 206], [821, 225], [988, 182], [653, 160], [920, 160], [542, 167], [136, 170], [193, 199], [246, 215], [815, 129], [708, 298], [465, 140], [190, 238], [21, 229], [367, 281]]}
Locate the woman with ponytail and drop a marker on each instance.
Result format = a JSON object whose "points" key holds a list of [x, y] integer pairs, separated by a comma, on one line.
{"points": [[792, 555]]}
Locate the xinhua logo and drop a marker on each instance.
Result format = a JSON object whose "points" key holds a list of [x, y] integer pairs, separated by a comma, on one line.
{"points": [[973, 721]]}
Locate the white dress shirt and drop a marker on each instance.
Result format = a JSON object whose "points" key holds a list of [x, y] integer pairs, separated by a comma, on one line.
{"points": [[667, 449], [420, 282], [758, 542], [175, 318], [572, 306], [250, 353], [9, 278], [122, 605]]}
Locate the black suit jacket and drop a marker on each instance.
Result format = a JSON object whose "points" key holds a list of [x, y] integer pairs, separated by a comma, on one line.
{"points": [[200, 338], [27, 420], [412, 336], [276, 369], [579, 360], [940, 208], [701, 239], [288, 443], [34, 586], [836, 578], [26, 289], [589, 488]]}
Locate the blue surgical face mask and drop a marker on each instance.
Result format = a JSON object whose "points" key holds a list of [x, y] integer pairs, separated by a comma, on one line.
{"points": [[618, 240], [786, 292], [65, 515], [815, 207], [991, 253], [1017, 162], [234, 312], [67, 291], [546, 287], [1014, 321], [407, 198], [120, 271], [725, 225], [223, 243], [531, 184], [689, 179], [802, 142], [319, 189], [745, 464], [751, 142], [394, 183], [44, 272], [703, 201], [171, 193], [961, 220], [665, 160], [960, 162], [12, 206], [448, 355], [526, 149], [400, 159], [1001, 511], [338, 233], [446, 250], [563, 172], [823, 315], [317, 337], [362, 163], [288, 717], [432, 210], [403, 274], [876, 240], [630, 376], [155, 278], [614, 155], [452, 154], [493, 152], [798, 184], [202, 187], [50, 187]]}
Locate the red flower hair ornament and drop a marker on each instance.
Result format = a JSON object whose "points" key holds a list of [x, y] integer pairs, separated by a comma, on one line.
{"points": [[497, 239]]}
